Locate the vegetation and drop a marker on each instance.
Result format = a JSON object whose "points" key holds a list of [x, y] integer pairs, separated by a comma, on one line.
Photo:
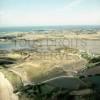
{"points": [[95, 61], [86, 56], [43, 92], [92, 60]]}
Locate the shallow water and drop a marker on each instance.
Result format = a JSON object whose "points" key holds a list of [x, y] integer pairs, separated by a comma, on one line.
{"points": [[92, 46], [10, 45]]}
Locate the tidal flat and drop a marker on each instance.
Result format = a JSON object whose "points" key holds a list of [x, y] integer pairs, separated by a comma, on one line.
{"points": [[32, 58]]}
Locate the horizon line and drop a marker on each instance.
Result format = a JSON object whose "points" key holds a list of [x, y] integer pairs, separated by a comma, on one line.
{"points": [[49, 25]]}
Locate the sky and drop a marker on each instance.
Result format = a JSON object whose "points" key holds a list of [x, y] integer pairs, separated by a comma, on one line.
{"points": [[49, 12]]}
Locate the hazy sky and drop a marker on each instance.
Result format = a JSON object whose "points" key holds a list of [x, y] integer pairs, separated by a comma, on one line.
{"points": [[49, 12]]}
